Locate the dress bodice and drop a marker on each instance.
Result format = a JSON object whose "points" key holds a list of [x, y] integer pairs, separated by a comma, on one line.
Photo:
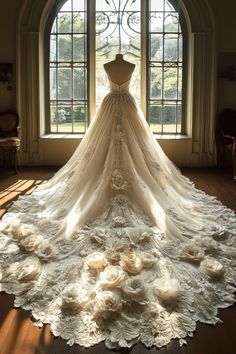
{"points": [[122, 88]]}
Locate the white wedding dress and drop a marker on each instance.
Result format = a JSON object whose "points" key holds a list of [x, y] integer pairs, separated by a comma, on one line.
{"points": [[118, 245]]}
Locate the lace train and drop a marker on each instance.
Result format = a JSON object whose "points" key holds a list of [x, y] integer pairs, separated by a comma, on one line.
{"points": [[118, 245]]}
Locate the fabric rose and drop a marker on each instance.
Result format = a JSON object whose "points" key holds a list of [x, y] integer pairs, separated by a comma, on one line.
{"points": [[134, 289], [148, 260], [29, 269], [119, 180], [30, 243], [107, 303], [119, 220], [139, 234], [98, 236], [112, 277], [18, 233], [74, 297], [112, 257], [117, 245], [131, 263], [96, 261], [220, 233], [45, 251], [212, 268], [167, 290], [192, 253]]}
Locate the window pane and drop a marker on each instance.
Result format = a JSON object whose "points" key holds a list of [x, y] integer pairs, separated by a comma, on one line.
{"points": [[78, 5], [68, 69], [79, 113], [156, 21], [165, 68], [170, 83], [64, 48], [156, 83], [64, 84], [80, 87], [64, 23], [157, 5], [156, 47], [79, 49], [78, 22], [155, 118]]}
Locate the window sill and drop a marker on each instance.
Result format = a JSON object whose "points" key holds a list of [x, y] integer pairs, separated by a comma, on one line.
{"points": [[80, 136], [62, 136]]}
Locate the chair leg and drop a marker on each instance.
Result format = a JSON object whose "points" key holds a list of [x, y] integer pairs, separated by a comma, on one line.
{"points": [[15, 161]]}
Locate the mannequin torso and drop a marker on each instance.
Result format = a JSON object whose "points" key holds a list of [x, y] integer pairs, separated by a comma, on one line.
{"points": [[119, 70]]}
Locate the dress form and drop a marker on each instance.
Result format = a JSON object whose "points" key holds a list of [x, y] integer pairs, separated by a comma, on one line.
{"points": [[119, 70]]}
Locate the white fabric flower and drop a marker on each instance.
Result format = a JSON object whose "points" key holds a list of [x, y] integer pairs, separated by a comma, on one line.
{"points": [[212, 268], [29, 269], [112, 277], [45, 251], [30, 243], [207, 243], [167, 290], [74, 297], [139, 234], [20, 232], [107, 303], [134, 289], [119, 220], [148, 260], [98, 236], [192, 253], [96, 261], [112, 257], [119, 199], [117, 245], [131, 263], [119, 180]]}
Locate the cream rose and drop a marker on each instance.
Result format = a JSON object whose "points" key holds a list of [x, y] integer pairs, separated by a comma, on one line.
{"points": [[45, 251], [96, 261], [112, 277], [148, 260], [167, 290], [29, 269], [212, 268], [74, 297], [30, 243], [131, 263], [134, 289], [20, 232], [112, 257], [107, 303], [119, 180], [98, 236], [192, 253]]}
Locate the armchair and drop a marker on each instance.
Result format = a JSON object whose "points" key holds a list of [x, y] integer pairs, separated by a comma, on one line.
{"points": [[9, 138], [227, 125]]}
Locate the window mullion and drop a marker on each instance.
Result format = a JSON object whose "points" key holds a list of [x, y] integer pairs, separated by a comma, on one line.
{"points": [[144, 87], [91, 53]]}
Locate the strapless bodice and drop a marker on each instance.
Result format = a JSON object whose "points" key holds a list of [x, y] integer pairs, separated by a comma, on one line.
{"points": [[122, 88]]}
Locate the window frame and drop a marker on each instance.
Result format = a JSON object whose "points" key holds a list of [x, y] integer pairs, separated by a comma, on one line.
{"points": [[91, 58]]}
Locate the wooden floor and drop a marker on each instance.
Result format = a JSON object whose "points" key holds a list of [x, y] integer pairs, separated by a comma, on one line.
{"points": [[18, 335]]}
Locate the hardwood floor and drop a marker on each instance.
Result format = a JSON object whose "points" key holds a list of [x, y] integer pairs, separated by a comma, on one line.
{"points": [[18, 335]]}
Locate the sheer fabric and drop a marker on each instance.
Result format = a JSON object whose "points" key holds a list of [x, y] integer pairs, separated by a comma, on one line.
{"points": [[118, 245]]}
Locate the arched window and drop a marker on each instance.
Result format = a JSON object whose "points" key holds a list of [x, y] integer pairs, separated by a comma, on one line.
{"points": [[83, 35]]}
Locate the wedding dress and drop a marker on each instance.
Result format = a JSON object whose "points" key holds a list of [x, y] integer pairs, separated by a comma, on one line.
{"points": [[118, 245]]}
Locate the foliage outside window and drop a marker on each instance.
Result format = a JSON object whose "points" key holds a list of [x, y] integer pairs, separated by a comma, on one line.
{"points": [[117, 26]]}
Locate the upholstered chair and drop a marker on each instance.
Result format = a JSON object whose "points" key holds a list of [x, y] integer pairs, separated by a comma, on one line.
{"points": [[9, 138]]}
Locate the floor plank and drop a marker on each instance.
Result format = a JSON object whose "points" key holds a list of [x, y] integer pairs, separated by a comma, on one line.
{"points": [[18, 335]]}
